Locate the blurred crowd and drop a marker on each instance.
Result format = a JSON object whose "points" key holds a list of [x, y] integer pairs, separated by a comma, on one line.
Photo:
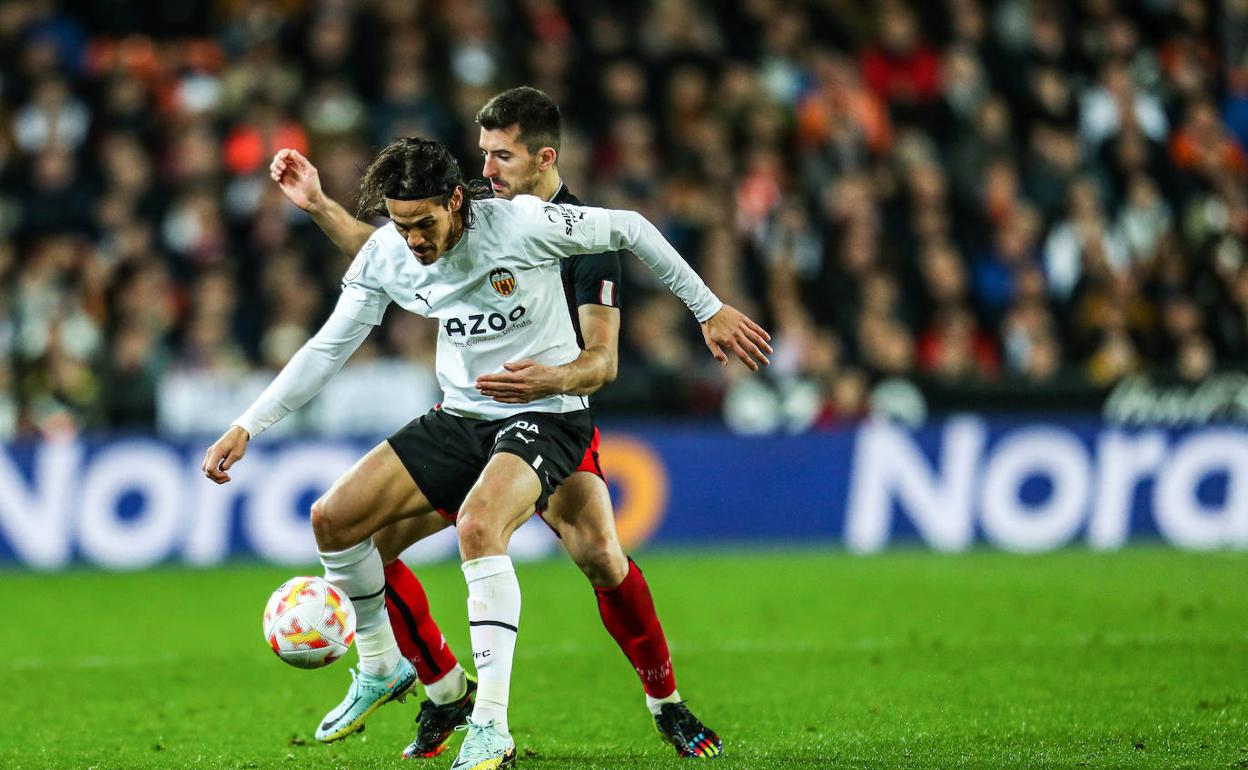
{"points": [[951, 191]]}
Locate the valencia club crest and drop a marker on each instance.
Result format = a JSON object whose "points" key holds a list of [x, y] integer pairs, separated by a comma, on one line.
{"points": [[502, 281]]}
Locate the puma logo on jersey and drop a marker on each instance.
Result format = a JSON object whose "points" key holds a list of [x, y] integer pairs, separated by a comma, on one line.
{"points": [[421, 297], [520, 427]]}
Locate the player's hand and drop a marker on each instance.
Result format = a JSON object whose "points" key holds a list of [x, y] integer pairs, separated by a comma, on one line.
{"points": [[297, 177], [522, 382], [732, 330], [228, 450]]}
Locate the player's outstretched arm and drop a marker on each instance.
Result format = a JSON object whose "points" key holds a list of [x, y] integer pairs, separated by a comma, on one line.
{"points": [[300, 182], [303, 377], [526, 380], [564, 231], [724, 328]]}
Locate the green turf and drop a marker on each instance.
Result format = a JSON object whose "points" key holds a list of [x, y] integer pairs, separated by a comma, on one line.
{"points": [[1075, 659]]}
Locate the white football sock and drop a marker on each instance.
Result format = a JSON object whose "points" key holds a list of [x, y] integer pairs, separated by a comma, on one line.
{"points": [[358, 572], [493, 621], [451, 687], [654, 704]]}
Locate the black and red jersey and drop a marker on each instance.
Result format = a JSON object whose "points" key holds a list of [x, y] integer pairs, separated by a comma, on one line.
{"points": [[588, 279]]}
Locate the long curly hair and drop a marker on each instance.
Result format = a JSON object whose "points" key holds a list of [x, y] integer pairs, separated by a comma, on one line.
{"points": [[412, 168]]}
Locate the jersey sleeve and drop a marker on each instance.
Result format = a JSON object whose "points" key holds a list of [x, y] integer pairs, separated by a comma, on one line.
{"points": [[312, 366], [630, 230], [561, 230], [596, 278], [363, 297]]}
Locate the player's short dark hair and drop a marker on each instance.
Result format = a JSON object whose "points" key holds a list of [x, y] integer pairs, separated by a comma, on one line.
{"points": [[412, 168], [534, 111]]}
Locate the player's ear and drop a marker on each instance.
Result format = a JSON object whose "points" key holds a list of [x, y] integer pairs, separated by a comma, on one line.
{"points": [[546, 157], [456, 200]]}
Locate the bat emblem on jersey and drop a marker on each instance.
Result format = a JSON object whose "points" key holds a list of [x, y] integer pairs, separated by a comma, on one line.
{"points": [[502, 281], [357, 267], [570, 217]]}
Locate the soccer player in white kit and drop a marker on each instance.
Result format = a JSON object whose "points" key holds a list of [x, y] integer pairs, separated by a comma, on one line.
{"points": [[488, 271], [520, 137]]}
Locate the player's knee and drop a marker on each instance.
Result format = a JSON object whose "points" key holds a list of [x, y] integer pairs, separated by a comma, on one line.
{"points": [[602, 561], [327, 539], [477, 537]]}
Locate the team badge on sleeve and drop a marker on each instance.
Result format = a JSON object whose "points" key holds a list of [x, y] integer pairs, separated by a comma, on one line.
{"points": [[357, 264], [353, 272], [502, 281]]}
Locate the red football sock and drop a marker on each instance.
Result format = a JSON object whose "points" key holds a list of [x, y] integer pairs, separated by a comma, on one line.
{"points": [[420, 640], [628, 613]]}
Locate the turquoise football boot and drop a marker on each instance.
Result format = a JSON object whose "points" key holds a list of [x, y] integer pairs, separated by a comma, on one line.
{"points": [[484, 748], [366, 694]]}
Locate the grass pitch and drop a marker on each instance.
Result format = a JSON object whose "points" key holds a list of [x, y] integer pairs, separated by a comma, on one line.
{"points": [[798, 659]]}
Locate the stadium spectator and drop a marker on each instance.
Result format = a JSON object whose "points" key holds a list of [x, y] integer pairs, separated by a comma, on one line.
{"points": [[1010, 168]]}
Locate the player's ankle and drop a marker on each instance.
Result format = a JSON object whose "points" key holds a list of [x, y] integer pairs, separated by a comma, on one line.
{"points": [[379, 655], [450, 688], [483, 714], [655, 704]]}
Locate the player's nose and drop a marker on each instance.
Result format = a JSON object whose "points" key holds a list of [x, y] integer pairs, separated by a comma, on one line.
{"points": [[490, 169]]}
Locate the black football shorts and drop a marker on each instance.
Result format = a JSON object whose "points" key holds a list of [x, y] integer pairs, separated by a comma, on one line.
{"points": [[445, 453]]}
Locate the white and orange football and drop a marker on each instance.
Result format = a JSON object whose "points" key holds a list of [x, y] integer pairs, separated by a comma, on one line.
{"points": [[308, 622]]}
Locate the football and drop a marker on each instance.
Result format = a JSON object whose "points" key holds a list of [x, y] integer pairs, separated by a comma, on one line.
{"points": [[308, 622]]}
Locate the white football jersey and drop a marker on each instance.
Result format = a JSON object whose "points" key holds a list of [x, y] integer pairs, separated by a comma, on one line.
{"points": [[498, 294]]}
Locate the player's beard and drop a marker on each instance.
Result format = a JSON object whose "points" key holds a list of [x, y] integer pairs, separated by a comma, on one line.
{"points": [[526, 185]]}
